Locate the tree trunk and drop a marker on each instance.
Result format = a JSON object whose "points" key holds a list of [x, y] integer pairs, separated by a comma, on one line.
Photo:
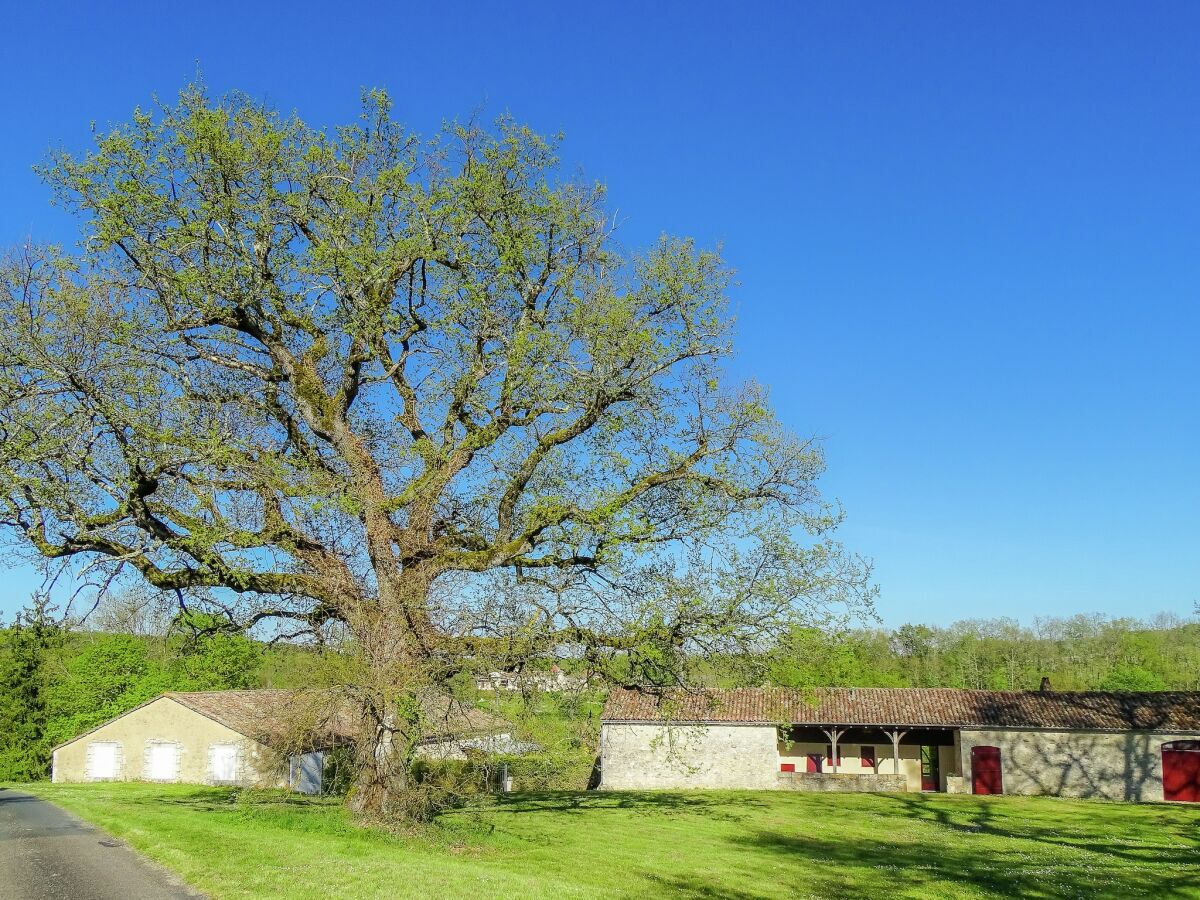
{"points": [[382, 784], [389, 634]]}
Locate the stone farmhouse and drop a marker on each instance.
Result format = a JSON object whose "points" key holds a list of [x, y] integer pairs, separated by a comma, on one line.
{"points": [[1117, 746], [553, 680], [262, 738]]}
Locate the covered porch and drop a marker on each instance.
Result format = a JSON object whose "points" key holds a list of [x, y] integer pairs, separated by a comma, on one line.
{"points": [[839, 757]]}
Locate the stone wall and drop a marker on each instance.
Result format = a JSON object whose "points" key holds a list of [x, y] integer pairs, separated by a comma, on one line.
{"points": [[165, 721], [839, 783], [635, 757], [1103, 764], [956, 784]]}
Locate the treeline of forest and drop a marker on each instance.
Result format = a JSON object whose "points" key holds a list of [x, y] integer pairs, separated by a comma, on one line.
{"points": [[1081, 653], [57, 683]]}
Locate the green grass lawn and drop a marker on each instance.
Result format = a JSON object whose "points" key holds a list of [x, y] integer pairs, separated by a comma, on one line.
{"points": [[737, 845]]}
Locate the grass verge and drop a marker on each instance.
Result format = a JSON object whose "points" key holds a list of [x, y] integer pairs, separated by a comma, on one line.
{"points": [[742, 845]]}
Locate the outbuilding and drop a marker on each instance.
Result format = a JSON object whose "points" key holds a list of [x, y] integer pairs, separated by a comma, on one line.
{"points": [[1116, 746], [260, 738]]}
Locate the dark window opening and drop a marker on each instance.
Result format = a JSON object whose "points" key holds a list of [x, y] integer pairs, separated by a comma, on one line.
{"points": [[1182, 745]]}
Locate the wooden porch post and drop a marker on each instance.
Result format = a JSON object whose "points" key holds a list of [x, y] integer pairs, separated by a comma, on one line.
{"points": [[834, 734], [895, 734]]}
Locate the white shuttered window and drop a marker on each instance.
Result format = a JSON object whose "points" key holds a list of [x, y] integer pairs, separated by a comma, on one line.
{"points": [[103, 759], [162, 762], [223, 763]]}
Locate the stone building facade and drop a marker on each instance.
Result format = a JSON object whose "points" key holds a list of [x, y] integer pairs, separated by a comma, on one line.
{"points": [[180, 737], [639, 756], [1115, 746], [262, 738]]}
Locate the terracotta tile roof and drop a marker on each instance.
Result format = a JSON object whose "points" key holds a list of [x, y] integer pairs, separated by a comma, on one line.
{"points": [[252, 713], [938, 707], [267, 715]]}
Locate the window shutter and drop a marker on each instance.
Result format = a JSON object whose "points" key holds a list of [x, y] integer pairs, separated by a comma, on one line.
{"points": [[162, 760], [104, 761]]}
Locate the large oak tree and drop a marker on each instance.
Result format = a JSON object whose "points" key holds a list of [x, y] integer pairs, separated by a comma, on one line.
{"points": [[409, 388]]}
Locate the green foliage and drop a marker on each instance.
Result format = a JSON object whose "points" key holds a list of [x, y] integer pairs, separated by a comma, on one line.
{"points": [[329, 370], [349, 380], [103, 676], [56, 686], [441, 784], [809, 657], [1080, 653], [566, 729], [24, 737], [1131, 678]]}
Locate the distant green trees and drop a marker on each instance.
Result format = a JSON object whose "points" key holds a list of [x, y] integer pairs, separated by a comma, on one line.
{"points": [[103, 675], [1077, 653], [25, 649]]}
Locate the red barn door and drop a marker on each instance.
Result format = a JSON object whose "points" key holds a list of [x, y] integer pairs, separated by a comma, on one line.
{"points": [[1181, 771], [986, 774]]}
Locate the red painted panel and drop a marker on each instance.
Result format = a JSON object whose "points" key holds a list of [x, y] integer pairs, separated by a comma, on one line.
{"points": [[815, 762], [1181, 775], [986, 773], [787, 767]]}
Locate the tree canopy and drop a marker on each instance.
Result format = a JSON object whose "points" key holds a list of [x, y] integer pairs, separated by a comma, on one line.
{"points": [[410, 389]]}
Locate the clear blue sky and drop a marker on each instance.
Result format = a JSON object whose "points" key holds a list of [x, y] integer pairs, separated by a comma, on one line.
{"points": [[968, 235]]}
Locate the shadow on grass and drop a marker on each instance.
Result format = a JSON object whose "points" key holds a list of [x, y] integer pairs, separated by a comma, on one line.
{"points": [[649, 801], [844, 867], [1032, 847], [214, 799], [1150, 835], [695, 888]]}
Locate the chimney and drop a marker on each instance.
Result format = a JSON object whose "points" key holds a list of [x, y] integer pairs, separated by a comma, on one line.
{"points": [[1045, 684]]}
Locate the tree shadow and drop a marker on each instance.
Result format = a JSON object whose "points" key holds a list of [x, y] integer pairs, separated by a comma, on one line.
{"points": [[712, 804], [971, 815], [1082, 760], [695, 888], [7, 796], [219, 799], [844, 866]]}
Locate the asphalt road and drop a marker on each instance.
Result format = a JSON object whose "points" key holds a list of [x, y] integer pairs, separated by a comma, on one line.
{"points": [[48, 854]]}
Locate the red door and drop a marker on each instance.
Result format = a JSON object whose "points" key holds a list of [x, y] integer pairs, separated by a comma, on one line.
{"points": [[986, 775], [1181, 771]]}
